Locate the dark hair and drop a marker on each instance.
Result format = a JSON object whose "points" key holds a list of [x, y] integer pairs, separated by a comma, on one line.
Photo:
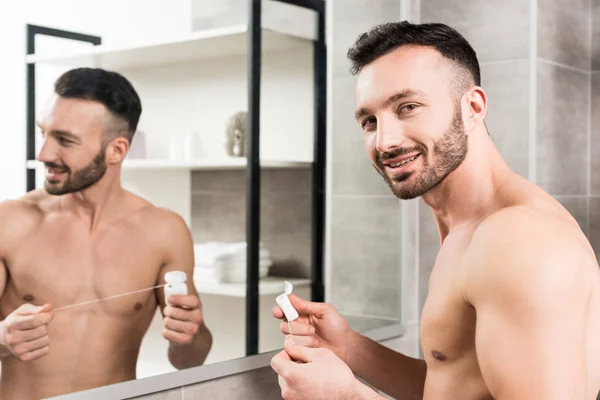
{"points": [[111, 89], [384, 38]]}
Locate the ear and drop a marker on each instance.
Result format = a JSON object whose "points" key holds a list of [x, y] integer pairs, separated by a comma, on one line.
{"points": [[476, 107], [117, 150]]}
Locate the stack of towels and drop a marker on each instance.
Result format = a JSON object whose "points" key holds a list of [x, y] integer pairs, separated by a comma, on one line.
{"points": [[217, 262]]}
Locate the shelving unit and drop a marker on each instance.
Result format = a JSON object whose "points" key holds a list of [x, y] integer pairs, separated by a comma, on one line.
{"points": [[167, 183], [208, 44], [267, 286]]}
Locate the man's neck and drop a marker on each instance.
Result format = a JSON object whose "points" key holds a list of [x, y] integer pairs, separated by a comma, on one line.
{"points": [[466, 194], [101, 199]]}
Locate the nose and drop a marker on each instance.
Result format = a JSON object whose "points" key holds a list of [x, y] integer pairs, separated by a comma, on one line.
{"points": [[390, 135], [47, 152]]}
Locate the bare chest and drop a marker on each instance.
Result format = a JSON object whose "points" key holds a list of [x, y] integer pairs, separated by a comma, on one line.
{"points": [[62, 265], [447, 321]]}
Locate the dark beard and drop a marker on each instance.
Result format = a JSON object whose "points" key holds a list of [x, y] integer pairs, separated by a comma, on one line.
{"points": [[82, 178], [448, 153]]}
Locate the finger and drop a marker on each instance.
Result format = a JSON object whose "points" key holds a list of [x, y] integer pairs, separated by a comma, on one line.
{"points": [[25, 322], [26, 335], [36, 354], [184, 315], [46, 308], [299, 352], [28, 347], [29, 309], [181, 326], [185, 301], [308, 341], [280, 361], [298, 328], [277, 313], [177, 337], [285, 388], [305, 307]]}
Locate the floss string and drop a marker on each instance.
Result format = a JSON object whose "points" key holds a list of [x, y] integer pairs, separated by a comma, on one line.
{"points": [[107, 298], [290, 328]]}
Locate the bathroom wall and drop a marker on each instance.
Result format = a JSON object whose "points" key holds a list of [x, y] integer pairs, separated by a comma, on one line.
{"points": [[594, 201]]}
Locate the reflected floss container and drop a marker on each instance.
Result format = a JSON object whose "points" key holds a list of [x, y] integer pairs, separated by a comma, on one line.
{"points": [[284, 302], [175, 284]]}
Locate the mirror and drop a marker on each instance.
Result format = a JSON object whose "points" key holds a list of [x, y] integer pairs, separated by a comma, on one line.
{"points": [[97, 254]]}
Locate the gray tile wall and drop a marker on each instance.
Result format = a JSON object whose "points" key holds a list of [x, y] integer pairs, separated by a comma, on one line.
{"points": [[562, 129], [219, 214], [564, 34], [565, 148], [365, 225], [594, 200], [596, 35]]}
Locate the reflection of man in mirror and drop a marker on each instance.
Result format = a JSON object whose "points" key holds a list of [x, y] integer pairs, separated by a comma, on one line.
{"points": [[84, 237], [513, 306]]}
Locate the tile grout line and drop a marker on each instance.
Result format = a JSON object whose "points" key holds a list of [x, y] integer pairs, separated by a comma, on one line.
{"points": [[569, 67], [507, 61]]}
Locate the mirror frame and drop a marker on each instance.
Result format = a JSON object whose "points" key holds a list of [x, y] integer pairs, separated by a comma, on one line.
{"points": [[203, 373]]}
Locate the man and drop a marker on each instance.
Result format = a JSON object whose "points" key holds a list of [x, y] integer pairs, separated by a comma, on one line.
{"points": [[83, 238], [513, 310]]}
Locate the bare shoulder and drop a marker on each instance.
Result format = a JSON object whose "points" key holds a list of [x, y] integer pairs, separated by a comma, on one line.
{"points": [[167, 224], [18, 217], [526, 229], [29, 207], [524, 247]]}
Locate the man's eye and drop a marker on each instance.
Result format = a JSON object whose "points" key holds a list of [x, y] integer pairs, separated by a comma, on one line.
{"points": [[408, 108], [367, 121], [62, 140]]}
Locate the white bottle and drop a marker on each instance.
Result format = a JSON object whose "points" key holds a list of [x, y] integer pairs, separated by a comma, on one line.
{"points": [[284, 302], [175, 284]]}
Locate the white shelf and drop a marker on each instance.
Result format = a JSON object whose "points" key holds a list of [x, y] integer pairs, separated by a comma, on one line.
{"points": [[213, 43], [196, 165], [267, 286]]}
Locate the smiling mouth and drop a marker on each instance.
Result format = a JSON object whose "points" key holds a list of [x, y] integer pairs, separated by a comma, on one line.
{"points": [[403, 162]]}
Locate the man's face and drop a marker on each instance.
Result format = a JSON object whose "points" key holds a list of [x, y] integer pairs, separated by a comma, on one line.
{"points": [[411, 119], [73, 150]]}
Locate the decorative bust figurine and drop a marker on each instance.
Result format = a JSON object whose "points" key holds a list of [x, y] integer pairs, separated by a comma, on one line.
{"points": [[236, 135]]}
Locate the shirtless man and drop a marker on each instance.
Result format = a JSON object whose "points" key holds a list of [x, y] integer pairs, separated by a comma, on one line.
{"points": [[513, 310], [83, 238]]}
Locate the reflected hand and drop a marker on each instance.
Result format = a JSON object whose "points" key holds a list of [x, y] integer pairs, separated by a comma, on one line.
{"points": [[182, 319], [322, 375], [318, 325], [24, 332]]}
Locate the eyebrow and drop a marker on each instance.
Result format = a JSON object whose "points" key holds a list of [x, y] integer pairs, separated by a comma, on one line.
{"points": [[392, 99]]}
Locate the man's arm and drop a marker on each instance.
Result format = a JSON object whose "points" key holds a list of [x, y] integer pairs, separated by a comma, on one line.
{"points": [[528, 281], [399, 376], [23, 332], [190, 339]]}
